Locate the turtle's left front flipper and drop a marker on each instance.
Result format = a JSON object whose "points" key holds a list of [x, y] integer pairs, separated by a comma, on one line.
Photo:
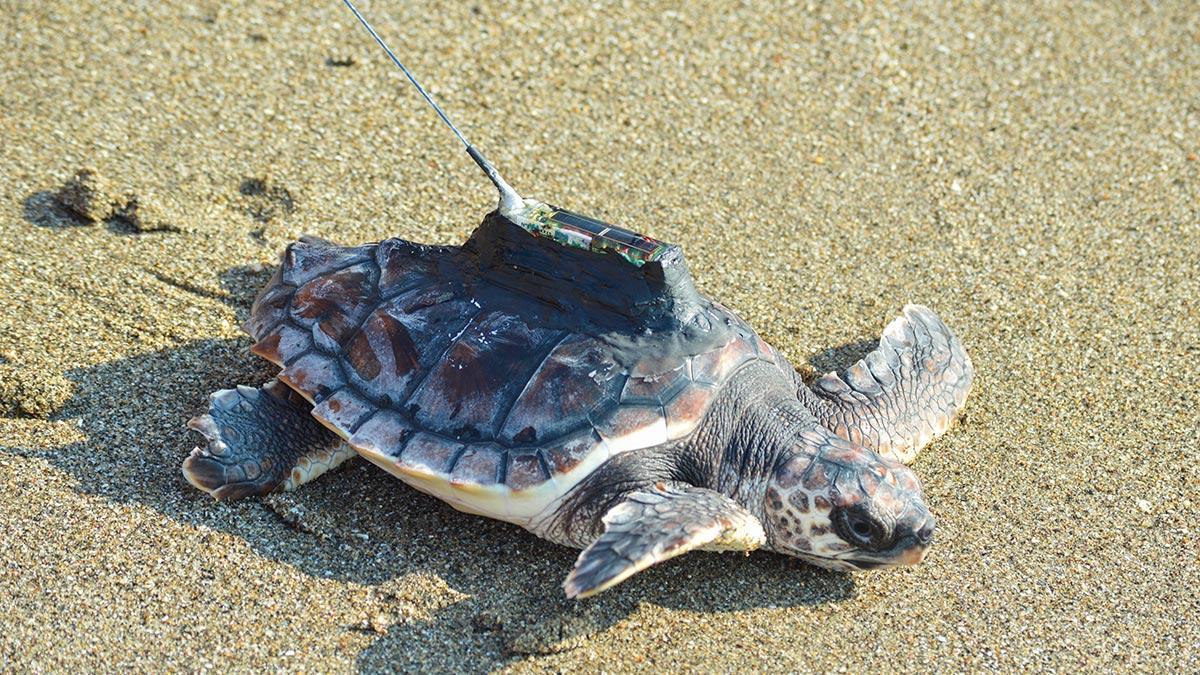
{"points": [[259, 440], [658, 523], [903, 394]]}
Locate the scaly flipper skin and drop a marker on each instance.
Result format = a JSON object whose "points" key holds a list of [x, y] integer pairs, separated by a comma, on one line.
{"points": [[658, 523], [903, 394], [259, 440]]}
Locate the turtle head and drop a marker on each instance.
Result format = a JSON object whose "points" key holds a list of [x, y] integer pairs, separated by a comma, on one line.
{"points": [[841, 506]]}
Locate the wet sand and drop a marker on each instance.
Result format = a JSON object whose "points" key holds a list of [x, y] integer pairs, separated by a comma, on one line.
{"points": [[1031, 173]]}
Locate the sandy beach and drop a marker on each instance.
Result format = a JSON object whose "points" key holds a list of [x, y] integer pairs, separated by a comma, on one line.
{"points": [[1029, 171]]}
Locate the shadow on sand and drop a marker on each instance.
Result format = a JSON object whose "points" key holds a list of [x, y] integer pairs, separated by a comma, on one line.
{"points": [[835, 359], [45, 209], [359, 525]]}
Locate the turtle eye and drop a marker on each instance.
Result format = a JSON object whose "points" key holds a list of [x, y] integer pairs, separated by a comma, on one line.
{"points": [[857, 526], [861, 528]]}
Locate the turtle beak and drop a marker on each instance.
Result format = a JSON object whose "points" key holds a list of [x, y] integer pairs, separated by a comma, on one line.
{"points": [[912, 556], [918, 541]]}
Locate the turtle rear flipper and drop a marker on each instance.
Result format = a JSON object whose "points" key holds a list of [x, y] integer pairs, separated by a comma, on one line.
{"points": [[653, 525], [259, 440], [903, 394]]}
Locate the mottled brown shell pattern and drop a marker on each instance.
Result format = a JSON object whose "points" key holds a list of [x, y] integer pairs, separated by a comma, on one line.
{"points": [[423, 380]]}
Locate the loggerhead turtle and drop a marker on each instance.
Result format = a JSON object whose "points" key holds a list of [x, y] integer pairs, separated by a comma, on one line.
{"points": [[566, 375]]}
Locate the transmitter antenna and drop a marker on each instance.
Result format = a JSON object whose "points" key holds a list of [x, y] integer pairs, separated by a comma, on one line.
{"points": [[509, 199]]}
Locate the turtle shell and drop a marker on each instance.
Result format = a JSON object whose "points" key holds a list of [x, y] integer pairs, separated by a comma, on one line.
{"points": [[499, 374]]}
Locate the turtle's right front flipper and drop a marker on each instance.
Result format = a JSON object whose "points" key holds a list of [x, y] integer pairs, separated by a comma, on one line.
{"points": [[903, 394], [259, 440], [657, 523]]}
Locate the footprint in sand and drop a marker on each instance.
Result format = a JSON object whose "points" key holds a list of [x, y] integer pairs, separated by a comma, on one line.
{"points": [[265, 201], [88, 198]]}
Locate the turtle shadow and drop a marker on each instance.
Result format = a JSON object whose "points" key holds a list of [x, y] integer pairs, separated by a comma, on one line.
{"points": [[240, 286], [131, 415], [506, 619], [359, 525], [836, 359]]}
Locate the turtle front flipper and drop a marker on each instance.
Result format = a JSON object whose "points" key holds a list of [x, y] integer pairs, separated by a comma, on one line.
{"points": [[658, 523], [903, 394], [259, 440]]}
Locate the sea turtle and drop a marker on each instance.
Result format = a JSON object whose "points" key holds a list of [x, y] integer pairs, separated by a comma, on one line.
{"points": [[598, 403], [566, 375]]}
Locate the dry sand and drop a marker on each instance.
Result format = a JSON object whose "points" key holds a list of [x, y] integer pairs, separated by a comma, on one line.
{"points": [[1030, 172]]}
